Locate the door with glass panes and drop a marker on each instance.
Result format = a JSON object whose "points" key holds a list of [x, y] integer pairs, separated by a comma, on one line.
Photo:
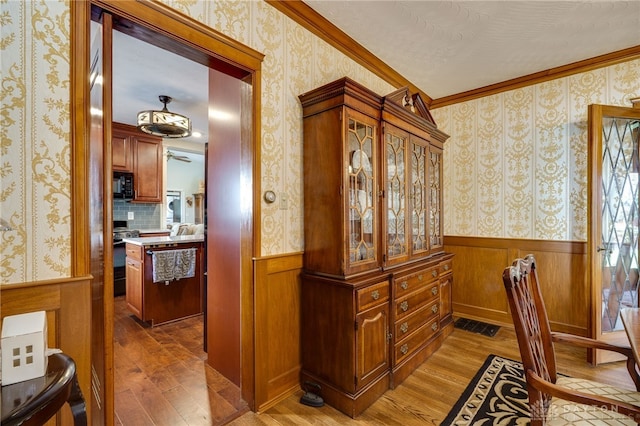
{"points": [[614, 212]]}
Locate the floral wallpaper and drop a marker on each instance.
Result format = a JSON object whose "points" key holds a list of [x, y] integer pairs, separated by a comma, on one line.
{"points": [[35, 140], [515, 165], [295, 62], [526, 144], [36, 135]]}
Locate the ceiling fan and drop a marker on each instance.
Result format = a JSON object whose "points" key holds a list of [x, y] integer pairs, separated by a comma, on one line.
{"points": [[184, 158]]}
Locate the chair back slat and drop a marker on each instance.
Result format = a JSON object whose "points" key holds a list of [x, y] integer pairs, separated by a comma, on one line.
{"points": [[531, 324]]}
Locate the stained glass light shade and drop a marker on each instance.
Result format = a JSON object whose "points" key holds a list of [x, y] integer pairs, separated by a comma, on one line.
{"points": [[164, 123]]}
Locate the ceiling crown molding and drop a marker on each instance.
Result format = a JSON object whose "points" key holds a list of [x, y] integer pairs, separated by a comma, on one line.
{"points": [[601, 61], [304, 15]]}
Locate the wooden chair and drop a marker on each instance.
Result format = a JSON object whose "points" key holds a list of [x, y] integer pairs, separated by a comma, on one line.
{"points": [[561, 400]]}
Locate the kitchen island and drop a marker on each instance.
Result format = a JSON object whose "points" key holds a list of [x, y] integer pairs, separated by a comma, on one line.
{"points": [[164, 277]]}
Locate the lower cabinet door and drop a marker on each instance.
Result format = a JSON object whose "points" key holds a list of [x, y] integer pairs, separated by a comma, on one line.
{"points": [[134, 285], [372, 351]]}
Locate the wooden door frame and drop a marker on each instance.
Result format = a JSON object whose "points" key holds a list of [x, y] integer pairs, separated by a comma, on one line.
{"points": [[594, 230], [204, 45]]}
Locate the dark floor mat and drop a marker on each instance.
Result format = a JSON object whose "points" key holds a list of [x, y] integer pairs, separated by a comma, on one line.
{"points": [[474, 326]]}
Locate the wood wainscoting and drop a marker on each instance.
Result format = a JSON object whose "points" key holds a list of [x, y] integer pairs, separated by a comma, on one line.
{"points": [[66, 302], [479, 293], [277, 328]]}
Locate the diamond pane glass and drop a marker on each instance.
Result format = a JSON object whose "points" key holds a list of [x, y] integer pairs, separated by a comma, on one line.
{"points": [[619, 219], [396, 210], [435, 234], [419, 194], [361, 185]]}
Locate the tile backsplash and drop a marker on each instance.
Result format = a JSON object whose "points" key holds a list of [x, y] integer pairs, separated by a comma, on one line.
{"points": [[146, 215]]}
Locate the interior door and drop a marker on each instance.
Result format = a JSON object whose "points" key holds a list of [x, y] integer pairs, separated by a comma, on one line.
{"points": [[96, 222], [614, 212]]}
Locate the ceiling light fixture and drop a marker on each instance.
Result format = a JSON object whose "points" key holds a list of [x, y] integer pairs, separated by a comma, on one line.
{"points": [[164, 123]]}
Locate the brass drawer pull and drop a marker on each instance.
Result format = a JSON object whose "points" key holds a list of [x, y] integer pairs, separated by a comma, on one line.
{"points": [[404, 327], [446, 267], [404, 349], [404, 285], [434, 290], [420, 277], [375, 295], [434, 326], [404, 306], [434, 309], [434, 273]]}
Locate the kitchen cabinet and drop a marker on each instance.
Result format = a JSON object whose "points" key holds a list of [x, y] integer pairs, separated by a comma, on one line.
{"points": [[122, 152], [142, 155], [376, 292], [134, 279], [160, 302]]}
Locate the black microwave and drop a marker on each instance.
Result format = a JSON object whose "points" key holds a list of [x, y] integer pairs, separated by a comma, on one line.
{"points": [[123, 185]]}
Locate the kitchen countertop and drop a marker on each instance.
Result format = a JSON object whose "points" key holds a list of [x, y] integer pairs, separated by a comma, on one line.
{"points": [[149, 241]]}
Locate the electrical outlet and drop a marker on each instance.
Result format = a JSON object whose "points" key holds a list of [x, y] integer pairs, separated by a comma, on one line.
{"points": [[130, 216], [284, 202]]}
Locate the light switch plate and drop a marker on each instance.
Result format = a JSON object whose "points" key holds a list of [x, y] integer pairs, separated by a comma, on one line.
{"points": [[130, 216]]}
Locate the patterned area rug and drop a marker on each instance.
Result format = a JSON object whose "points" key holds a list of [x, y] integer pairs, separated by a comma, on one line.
{"points": [[496, 396]]}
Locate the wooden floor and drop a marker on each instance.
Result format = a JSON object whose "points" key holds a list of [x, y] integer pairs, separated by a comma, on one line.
{"points": [[426, 396], [162, 379]]}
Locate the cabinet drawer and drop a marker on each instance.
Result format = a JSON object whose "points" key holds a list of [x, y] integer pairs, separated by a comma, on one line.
{"points": [[445, 267], [134, 251], [411, 323], [414, 301], [408, 283], [372, 295], [408, 346]]}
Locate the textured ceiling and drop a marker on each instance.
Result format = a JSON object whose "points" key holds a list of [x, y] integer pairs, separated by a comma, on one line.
{"points": [[449, 47]]}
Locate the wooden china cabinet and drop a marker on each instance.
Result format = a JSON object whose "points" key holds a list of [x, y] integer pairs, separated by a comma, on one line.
{"points": [[376, 287]]}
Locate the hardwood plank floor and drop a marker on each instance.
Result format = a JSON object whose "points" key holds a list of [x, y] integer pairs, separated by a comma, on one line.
{"points": [[426, 396], [162, 379]]}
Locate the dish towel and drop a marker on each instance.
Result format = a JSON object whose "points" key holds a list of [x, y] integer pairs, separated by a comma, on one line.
{"points": [[163, 263], [170, 265], [185, 263]]}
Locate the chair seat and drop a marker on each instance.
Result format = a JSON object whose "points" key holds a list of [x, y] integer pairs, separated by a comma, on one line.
{"points": [[563, 412]]}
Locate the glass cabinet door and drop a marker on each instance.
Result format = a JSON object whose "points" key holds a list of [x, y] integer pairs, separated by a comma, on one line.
{"points": [[395, 171], [419, 202], [436, 240], [361, 197]]}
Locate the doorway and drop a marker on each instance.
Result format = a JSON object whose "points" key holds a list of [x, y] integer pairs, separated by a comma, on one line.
{"points": [[143, 20], [175, 206], [614, 243]]}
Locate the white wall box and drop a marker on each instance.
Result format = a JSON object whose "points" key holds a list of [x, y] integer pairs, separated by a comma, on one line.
{"points": [[24, 347]]}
